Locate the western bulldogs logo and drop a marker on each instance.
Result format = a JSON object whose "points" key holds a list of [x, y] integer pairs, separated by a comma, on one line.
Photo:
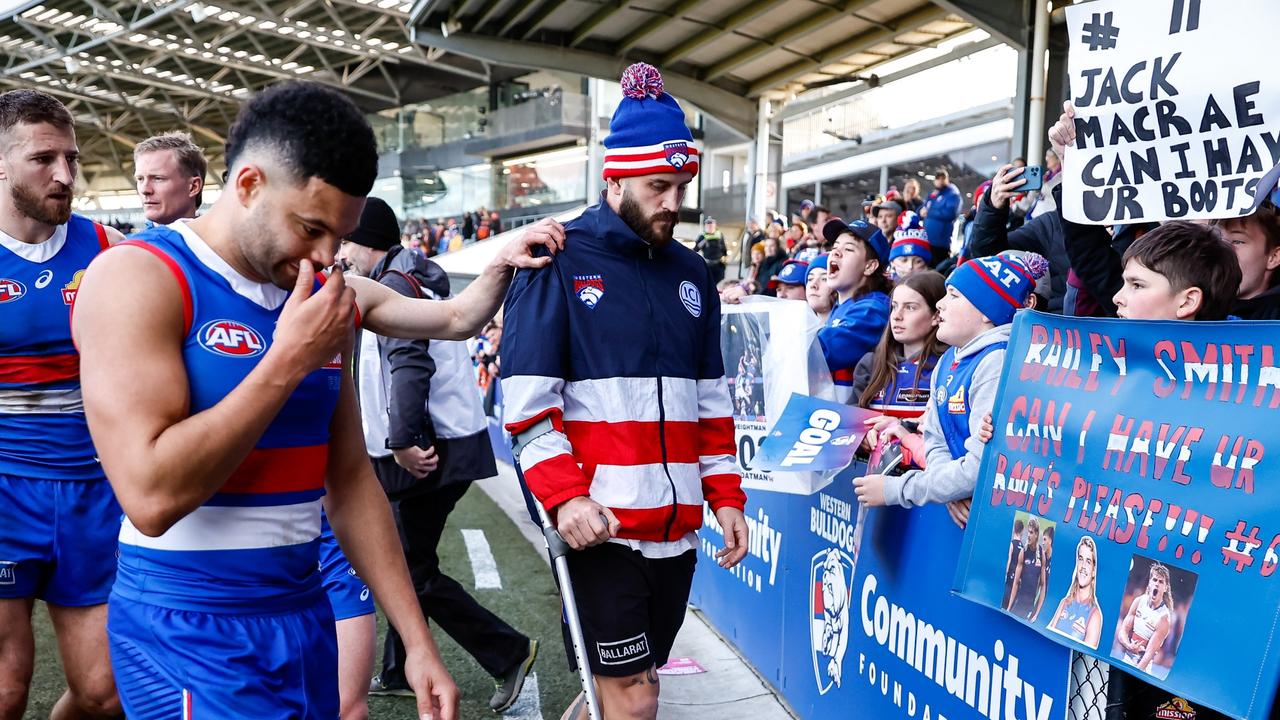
{"points": [[589, 289], [831, 594], [11, 290], [691, 298], [231, 339], [69, 290], [677, 153]]}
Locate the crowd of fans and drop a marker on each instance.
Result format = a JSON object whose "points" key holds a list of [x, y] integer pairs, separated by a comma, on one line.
{"points": [[896, 303], [445, 235], [894, 300]]}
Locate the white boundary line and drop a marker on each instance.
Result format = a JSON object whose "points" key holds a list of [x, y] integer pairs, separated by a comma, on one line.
{"points": [[483, 566]]}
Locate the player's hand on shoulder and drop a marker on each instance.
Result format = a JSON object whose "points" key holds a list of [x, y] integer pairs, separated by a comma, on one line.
{"points": [[314, 327], [583, 522], [518, 252]]}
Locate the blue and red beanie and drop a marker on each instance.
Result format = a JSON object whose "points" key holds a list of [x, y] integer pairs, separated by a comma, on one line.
{"points": [[910, 240], [648, 134], [998, 286]]}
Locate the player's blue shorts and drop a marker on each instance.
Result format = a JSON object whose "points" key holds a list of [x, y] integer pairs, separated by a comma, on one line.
{"points": [[58, 540], [177, 665], [348, 594]]}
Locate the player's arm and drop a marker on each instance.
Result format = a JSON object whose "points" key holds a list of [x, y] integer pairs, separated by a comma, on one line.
{"points": [[114, 236], [162, 462], [1093, 629], [1017, 580], [1057, 614], [1125, 629], [387, 312], [1041, 589], [1155, 644], [362, 522]]}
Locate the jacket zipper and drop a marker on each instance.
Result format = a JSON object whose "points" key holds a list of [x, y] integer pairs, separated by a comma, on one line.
{"points": [[662, 412]]}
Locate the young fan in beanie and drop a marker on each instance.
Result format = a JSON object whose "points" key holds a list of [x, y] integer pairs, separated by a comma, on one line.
{"points": [[911, 252], [974, 316]]}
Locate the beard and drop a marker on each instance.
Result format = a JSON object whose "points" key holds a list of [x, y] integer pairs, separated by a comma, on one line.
{"points": [[646, 226], [39, 208]]}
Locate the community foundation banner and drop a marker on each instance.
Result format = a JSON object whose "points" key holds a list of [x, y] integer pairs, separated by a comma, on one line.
{"points": [[1123, 508], [1177, 108]]}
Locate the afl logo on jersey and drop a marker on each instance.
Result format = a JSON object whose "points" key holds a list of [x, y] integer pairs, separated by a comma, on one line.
{"points": [[230, 338], [11, 290]]}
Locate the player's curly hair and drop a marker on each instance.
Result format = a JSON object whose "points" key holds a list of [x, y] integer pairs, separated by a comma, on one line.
{"points": [[313, 131]]}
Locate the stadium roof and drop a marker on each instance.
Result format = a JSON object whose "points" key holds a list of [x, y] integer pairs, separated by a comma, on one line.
{"points": [[720, 54], [128, 69]]}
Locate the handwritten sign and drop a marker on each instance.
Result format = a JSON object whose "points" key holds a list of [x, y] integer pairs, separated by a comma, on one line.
{"points": [[1122, 508], [1177, 109]]}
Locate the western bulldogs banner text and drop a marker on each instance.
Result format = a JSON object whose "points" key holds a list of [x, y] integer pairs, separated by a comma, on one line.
{"points": [[1123, 507]]}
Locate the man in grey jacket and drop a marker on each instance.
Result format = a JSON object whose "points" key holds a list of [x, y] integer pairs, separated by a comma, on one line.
{"points": [[427, 436]]}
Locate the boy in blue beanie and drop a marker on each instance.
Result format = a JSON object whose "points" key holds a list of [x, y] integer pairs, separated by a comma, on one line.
{"points": [[974, 317]]}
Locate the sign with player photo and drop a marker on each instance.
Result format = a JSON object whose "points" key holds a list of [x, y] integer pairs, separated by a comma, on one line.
{"points": [[1177, 109], [759, 341], [1122, 507]]}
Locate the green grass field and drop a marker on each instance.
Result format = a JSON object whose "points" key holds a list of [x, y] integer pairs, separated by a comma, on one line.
{"points": [[527, 600]]}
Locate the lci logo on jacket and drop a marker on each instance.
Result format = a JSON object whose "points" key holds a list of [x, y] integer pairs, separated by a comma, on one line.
{"points": [[691, 298], [831, 593], [589, 289], [230, 338]]}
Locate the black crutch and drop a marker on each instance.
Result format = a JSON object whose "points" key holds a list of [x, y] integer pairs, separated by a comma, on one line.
{"points": [[557, 549]]}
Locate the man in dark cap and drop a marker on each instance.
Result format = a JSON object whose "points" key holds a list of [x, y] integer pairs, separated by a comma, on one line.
{"points": [[427, 436]]}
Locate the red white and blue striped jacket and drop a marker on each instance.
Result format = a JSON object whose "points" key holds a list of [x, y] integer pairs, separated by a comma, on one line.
{"points": [[617, 343]]}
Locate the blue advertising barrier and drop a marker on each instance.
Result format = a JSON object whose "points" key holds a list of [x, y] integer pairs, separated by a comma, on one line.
{"points": [[871, 629], [1123, 507]]}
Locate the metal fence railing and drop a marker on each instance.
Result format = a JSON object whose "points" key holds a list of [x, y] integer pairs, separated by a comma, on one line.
{"points": [[1087, 691]]}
